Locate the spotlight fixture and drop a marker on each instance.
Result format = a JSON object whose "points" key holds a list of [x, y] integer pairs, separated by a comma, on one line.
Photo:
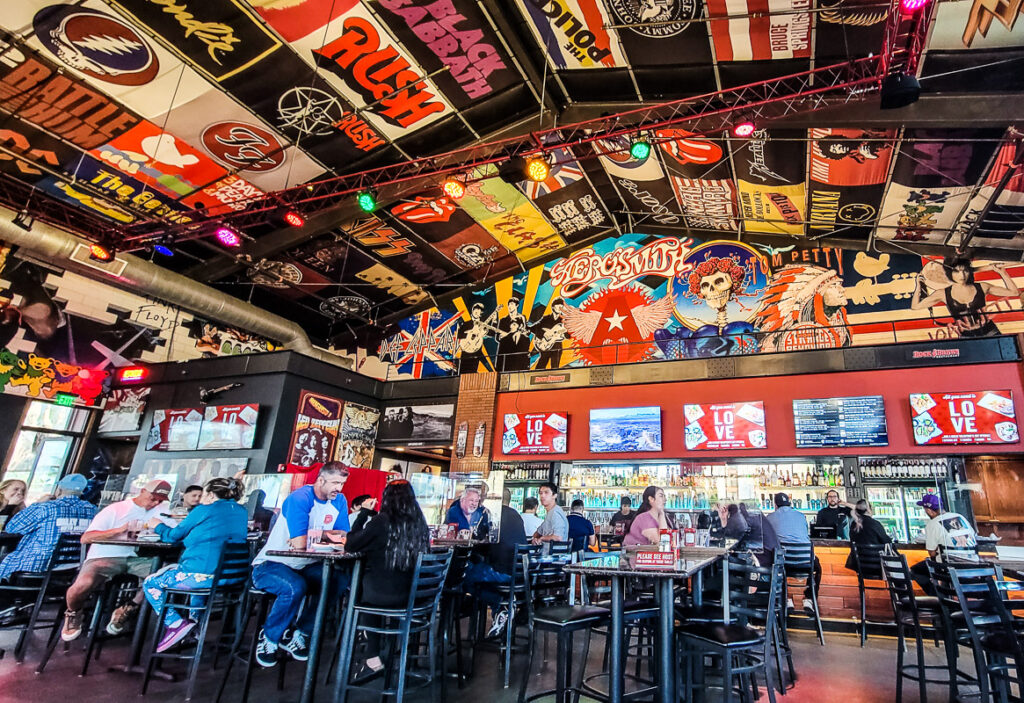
{"points": [[24, 220], [537, 169], [286, 217], [912, 6], [228, 237], [293, 218], [453, 188], [366, 201], [899, 90], [640, 149], [163, 250], [743, 129], [98, 252]]}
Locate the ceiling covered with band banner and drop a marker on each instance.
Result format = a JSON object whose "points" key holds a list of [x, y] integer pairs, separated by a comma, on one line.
{"points": [[158, 112]]}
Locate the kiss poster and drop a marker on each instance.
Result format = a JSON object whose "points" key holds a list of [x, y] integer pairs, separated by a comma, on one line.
{"points": [[978, 417], [725, 426]]}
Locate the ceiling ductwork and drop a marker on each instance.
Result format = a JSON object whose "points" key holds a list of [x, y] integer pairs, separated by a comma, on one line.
{"points": [[63, 249]]}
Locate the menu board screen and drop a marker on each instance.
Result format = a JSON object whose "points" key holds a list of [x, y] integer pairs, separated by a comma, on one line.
{"points": [[229, 427], [972, 417], [625, 429], [725, 426], [535, 433], [840, 422]]}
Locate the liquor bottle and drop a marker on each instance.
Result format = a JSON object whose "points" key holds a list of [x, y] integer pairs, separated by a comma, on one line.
{"points": [[839, 477], [788, 481], [809, 478], [796, 478], [887, 473], [853, 479]]}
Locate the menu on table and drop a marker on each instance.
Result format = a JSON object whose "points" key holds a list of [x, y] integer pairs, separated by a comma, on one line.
{"points": [[840, 422], [970, 417], [725, 426], [535, 433]]}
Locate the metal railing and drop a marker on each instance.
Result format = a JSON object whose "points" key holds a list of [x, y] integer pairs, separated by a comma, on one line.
{"points": [[674, 348]]}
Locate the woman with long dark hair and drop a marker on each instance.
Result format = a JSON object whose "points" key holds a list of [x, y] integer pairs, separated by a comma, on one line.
{"points": [[390, 544], [650, 519]]}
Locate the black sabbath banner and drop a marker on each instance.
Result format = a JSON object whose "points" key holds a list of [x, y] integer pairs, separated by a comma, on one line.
{"points": [[847, 173]]}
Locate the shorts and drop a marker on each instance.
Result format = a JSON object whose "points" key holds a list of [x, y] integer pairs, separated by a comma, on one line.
{"points": [[109, 567]]}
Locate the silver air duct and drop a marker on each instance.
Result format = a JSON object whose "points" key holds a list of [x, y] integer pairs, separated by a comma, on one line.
{"points": [[128, 272]]}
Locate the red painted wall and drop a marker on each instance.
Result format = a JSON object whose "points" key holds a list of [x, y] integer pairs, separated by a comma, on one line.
{"points": [[777, 393]]}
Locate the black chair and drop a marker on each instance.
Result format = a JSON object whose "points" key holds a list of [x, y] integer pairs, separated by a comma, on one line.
{"points": [[554, 616], [740, 649], [254, 603], [559, 548], [418, 616], [452, 600], [225, 591], [912, 614], [954, 629], [38, 590], [867, 562], [798, 563]]}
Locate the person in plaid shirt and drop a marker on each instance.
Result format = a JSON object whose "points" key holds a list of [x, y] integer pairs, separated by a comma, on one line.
{"points": [[41, 524]]}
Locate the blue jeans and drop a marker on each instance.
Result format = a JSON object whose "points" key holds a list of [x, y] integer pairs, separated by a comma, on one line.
{"points": [[289, 587], [155, 589], [478, 575]]}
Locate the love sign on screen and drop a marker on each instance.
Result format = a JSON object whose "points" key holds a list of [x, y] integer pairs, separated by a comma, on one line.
{"points": [[970, 417], [535, 433], [725, 426]]}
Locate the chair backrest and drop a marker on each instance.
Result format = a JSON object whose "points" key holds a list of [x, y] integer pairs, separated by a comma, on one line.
{"points": [[428, 581], [901, 585], [797, 558], [456, 570], [559, 548], [979, 599], [67, 552], [546, 580], [755, 592], [868, 561], [524, 554], [234, 565]]}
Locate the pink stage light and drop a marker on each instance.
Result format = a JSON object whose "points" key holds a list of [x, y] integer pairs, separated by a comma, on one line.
{"points": [[228, 237]]}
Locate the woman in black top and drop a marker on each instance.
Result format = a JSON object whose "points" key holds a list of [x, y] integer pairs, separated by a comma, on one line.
{"points": [[865, 529], [390, 545]]}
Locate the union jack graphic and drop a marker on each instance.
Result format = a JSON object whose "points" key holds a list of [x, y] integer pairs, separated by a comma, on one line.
{"points": [[427, 350]]}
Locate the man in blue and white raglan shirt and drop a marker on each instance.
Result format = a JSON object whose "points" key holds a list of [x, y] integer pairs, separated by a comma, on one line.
{"points": [[318, 507]]}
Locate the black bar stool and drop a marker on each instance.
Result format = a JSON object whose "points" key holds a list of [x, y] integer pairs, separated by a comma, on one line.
{"points": [[867, 562], [254, 602], [798, 562]]}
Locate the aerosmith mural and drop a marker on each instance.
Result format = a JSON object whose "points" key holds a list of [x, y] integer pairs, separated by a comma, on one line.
{"points": [[640, 297]]}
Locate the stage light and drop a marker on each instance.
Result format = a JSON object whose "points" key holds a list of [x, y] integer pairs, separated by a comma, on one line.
{"points": [[98, 252], [640, 149], [24, 219], [163, 250], [743, 129], [228, 237], [366, 201], [899, 90], [910, 6], [537, 169], [453, 188], [293, 218]]}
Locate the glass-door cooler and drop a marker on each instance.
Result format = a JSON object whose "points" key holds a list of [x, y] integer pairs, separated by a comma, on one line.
{"points": [[894, 485]]}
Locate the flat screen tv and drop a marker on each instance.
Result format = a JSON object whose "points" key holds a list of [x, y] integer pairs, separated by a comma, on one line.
{"points": [[625, 429], [857, 421], [966, 417], [724, 426]]}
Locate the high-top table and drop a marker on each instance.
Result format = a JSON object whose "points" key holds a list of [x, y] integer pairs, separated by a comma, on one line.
{"points": [[328, 560], [691, 563]]}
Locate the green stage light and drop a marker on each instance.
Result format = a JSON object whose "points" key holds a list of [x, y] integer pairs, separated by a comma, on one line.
{"points": [[640, 149], [366, 201]]}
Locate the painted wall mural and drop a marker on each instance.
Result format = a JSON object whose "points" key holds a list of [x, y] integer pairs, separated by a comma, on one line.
{"points": [[640, 297], [64, 334]]}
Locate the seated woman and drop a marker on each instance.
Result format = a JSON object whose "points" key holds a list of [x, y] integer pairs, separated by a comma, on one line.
{"points": [[865, 529], [216, 520], [390, 545], [650, 519], [12, 499], [736, 525]]}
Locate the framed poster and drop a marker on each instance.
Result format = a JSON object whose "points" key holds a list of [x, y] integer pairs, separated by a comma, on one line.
{"points": [[358, 430], [317, 424], [972, 417], [229, 426], [725, 426], [123, 410], [535, 433]]}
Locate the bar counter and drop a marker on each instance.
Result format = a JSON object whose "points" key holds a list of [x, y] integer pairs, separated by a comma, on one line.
{"points": [[838, 597]]}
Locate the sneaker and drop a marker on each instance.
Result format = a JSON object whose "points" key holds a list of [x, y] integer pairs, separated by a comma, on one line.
{"points": [[808, 606], [72, 625], [174, 635], [789, 604], [297, 647], [120, 617], [266, 652], [498, 623]]}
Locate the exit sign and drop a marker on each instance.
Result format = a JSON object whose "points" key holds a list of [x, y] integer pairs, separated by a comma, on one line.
{"points": [[65, 399]]}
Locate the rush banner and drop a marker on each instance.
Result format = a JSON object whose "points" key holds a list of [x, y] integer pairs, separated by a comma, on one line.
{"points": [[778, 36], [979, 417], [535, 433], [725, 426]]}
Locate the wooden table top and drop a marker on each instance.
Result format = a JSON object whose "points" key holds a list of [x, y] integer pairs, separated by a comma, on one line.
{"points": [[691, 561]]}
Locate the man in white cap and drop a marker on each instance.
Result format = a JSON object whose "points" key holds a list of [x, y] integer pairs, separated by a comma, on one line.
{"points": [[104, 561]]}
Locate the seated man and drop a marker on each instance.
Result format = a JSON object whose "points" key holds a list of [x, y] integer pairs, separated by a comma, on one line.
{"points": [[790, 526], [581, 530], [191, 497], [41, 524], [104, 561], [499, 565], [321, 507], [469, 513]]}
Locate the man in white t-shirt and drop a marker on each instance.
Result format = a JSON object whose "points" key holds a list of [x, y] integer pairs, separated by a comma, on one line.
{"points": [[311, 510], [530, 520], [950, 530], [105, 561]]}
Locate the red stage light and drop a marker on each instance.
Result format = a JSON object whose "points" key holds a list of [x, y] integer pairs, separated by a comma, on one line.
{"points": [[100, 253], [743, 129], [294, 219], [132, 374]]}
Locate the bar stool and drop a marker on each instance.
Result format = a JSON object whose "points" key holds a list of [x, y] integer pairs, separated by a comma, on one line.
{"points": [[254, 602], [912, 613], [798, 562], [225, 590], [955, 629], [867, 562], [452, 598]]}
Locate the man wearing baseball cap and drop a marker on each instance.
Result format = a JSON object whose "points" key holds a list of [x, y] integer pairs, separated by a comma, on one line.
{"points": [[104, 561], [950, 530]]}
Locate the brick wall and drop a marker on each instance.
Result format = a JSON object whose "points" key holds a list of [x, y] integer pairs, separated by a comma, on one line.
{"points": [[478, 394]]}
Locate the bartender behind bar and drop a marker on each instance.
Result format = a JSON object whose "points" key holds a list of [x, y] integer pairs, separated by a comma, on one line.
{"points": [[834, 515]]}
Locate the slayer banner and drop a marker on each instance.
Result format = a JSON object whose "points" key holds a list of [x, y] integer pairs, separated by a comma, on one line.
{"points": [[979, 417], [847, 173], [768, 35], [317, 426], [666, 33], [770, 176], [456, 34]]}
